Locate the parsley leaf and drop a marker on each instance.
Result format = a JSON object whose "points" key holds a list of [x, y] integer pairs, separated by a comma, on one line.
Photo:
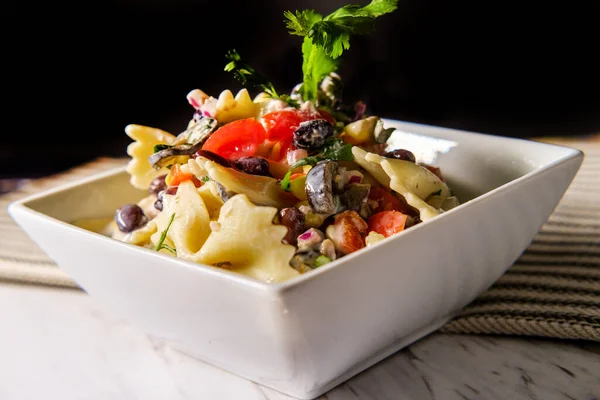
{"points": [[316, 65], [160, 147], [300, 23], [338, 150], [326, 38]]}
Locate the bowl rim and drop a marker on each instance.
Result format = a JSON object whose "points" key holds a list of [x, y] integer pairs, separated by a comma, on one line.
{"points": [[21, 206]]}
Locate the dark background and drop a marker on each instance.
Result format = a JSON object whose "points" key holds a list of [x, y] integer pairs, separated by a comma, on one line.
{"points": [[76, 74]]}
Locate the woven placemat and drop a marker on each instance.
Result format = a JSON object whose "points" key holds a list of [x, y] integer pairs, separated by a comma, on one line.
{"points": [[553, 290], [21, 259]]}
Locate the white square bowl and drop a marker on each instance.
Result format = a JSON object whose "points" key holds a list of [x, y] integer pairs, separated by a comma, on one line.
{"points": [[307, 335]]}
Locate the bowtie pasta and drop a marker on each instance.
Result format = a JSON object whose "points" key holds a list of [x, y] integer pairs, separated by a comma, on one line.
{"points": [[273, 188]]}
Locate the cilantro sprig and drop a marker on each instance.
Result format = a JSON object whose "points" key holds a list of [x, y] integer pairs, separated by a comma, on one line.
{"points": [[161, 245], [326, 38], [248, 76], [334, 149]]}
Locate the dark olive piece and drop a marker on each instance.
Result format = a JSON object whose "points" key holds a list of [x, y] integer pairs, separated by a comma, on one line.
{"points": [[355, 196], [292, 219], [311, 135], [130, 217], [157, 184], [212, 157], [304, 260], [319, 187], [401, 154], [253, 165], [224, 193], [186, 143]]}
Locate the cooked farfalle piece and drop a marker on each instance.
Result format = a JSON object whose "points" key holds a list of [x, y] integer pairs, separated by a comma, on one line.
{"points": [[261, 190], [415, 182], [230, 109], [268, 104], [211, 198], [146, 138], [139, 237], [190, 227], [360, 157], [246, 241]]}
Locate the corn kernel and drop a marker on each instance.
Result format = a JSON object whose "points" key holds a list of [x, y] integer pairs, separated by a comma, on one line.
{"points": [[373, 237], [313, 220]]}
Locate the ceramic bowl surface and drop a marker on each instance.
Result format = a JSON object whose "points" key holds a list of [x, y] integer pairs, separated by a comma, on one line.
{"points": [[307, 335]]}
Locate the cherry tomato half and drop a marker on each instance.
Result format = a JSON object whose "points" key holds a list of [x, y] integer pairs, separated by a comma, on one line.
{"points": [[236, 139], [280, 125]]}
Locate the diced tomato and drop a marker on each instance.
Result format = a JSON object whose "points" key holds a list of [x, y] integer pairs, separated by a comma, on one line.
{"points": [[386, 201], [176, 176], [236, 139], [387, 223]]}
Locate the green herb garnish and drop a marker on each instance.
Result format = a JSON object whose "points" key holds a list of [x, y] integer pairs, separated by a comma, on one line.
{"points": [[205, 179], [160, 147], [161, 245], [248, 76], [325, 38], [335, 149]]}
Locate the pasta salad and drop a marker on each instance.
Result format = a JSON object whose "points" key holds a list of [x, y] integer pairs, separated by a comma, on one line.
{"points": [[274, 186]]}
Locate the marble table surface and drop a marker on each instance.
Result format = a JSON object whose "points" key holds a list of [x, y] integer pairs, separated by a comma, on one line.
{"points": [[61, 344]]}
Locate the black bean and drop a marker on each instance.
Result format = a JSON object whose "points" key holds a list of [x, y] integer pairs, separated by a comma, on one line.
{"points": [[311, 135], [212, 157], [253, 165], [401, 154], [171, 190], [158, 204], [130, 217], [157, 184], [293, 219]]}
